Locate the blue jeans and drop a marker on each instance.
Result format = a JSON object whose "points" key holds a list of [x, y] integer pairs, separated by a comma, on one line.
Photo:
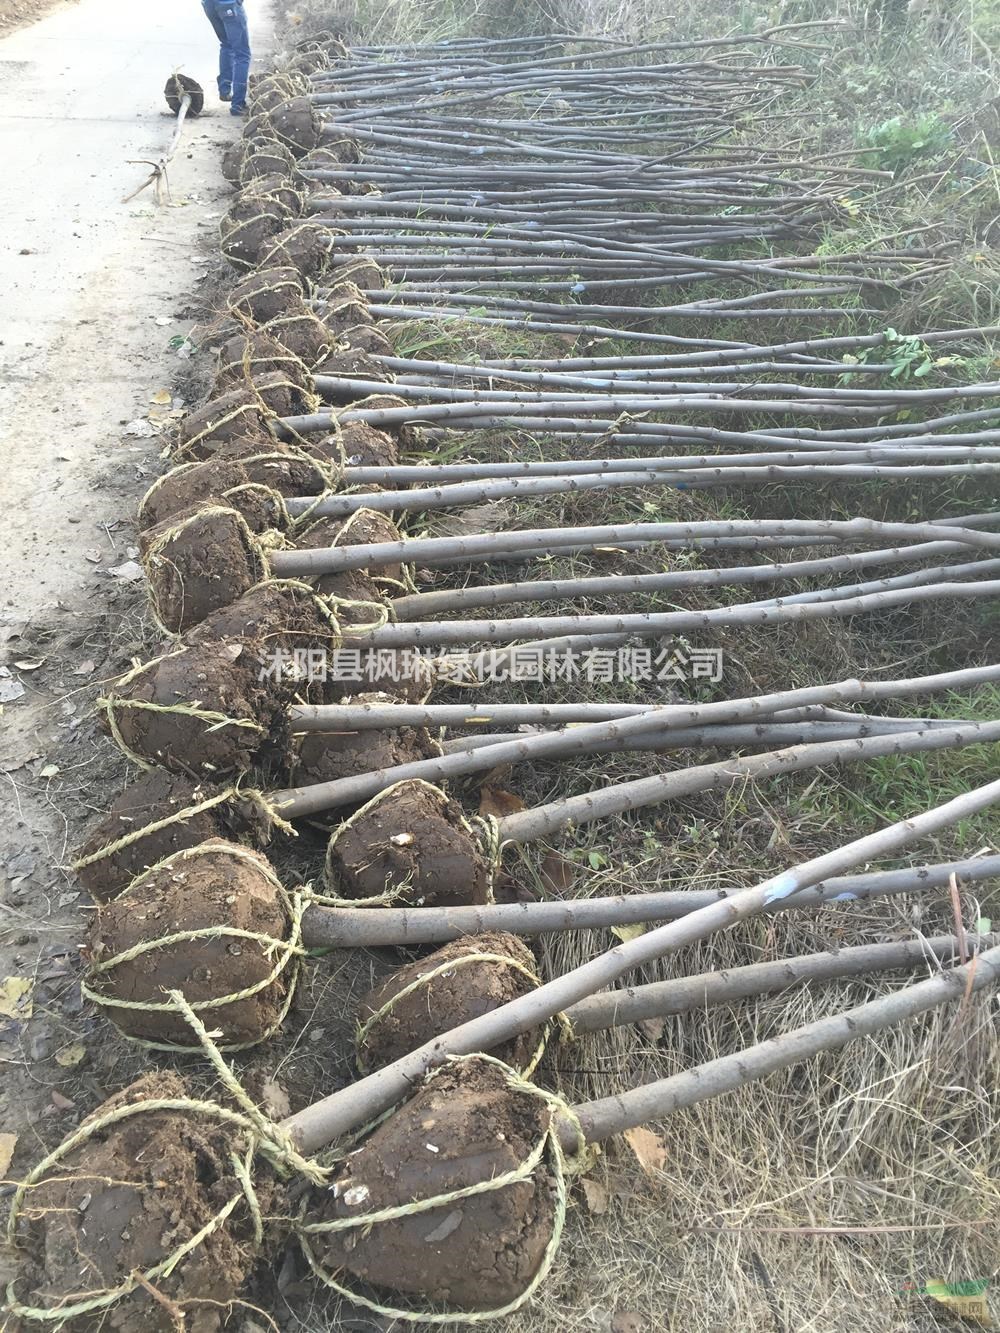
{"points": [[229, 20]]}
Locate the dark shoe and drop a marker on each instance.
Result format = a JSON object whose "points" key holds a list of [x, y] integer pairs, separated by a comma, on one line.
{"points": [[238, 110], [225, 97]]}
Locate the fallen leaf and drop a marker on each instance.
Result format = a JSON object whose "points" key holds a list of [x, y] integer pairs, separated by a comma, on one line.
{"points": [[163, 321], [626, 933], [596, 1196], [162, 398], [49, 771], [275, 1099], [60, 1102], [495, 801], [66, 898], [8, 1142], [10, 689], [139, 429], [93, 555], [70, 1056], [15, 1001], [650, 1150], [628, 1321], [557, 874], [652, 1028], [129, 572], [84, 669], [27, 664]]}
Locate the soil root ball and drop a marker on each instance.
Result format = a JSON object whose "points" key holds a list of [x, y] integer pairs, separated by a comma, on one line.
{"points": [[277, 188], [248, 227], [303, 333], [158, 814], [267, 293], [402, 432], [232, 162], [275, 473], [483, 1252], [461, 981], [202, 709], [408, 845], [357, 445], [350, 364], [259, 361], [234, 418], [346, 314], [362, 528], [354, 598], [269, 158], [327, 756], [269, 91], [153, 1181], [297, 125], [212, 922], [199, 561], [304, 247], [282, 618], [363, 272]]}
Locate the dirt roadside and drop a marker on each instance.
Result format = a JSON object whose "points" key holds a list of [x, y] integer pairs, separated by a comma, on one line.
{"points": [[19, 13], [98, 299]]}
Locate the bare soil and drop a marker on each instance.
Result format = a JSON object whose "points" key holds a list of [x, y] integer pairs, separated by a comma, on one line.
{"points": [[18, 13]]}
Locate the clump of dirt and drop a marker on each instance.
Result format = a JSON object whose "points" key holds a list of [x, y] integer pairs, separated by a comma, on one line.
{"points": [[225, 481], [401, 431], [212, 715], [270, 90], [327, 756], [250, 358], [363, 528], [232, 161], [297, 125], [267, 293], [464, 1127], [277, 187], [218, 884], [278, 616], [463, 992], [367, 446], [350, 364], [410, 845], [343, 148], [267, 158], [126, 1199], [199, 561], [351, 586], [154, 796], [235, 418], [304, 246], [248, 227], [362, 271], [302, 332]]}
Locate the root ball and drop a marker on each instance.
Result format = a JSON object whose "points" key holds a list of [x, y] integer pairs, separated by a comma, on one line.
{"points": [[409, 845], [202, 709], [477, 1253], [199, 561], [125, 1200], [219, 895], [450, 987]]}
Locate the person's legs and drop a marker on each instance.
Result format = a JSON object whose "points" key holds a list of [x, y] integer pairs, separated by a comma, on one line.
{"points": [[233, 17], [211, 9]]}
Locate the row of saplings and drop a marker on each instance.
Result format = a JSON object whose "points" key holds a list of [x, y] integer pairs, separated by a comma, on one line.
{"points": [[154, 1212]]}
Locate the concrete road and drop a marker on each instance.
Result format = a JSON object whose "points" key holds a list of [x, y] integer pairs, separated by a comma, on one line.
{"points": [[84, 278]]}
